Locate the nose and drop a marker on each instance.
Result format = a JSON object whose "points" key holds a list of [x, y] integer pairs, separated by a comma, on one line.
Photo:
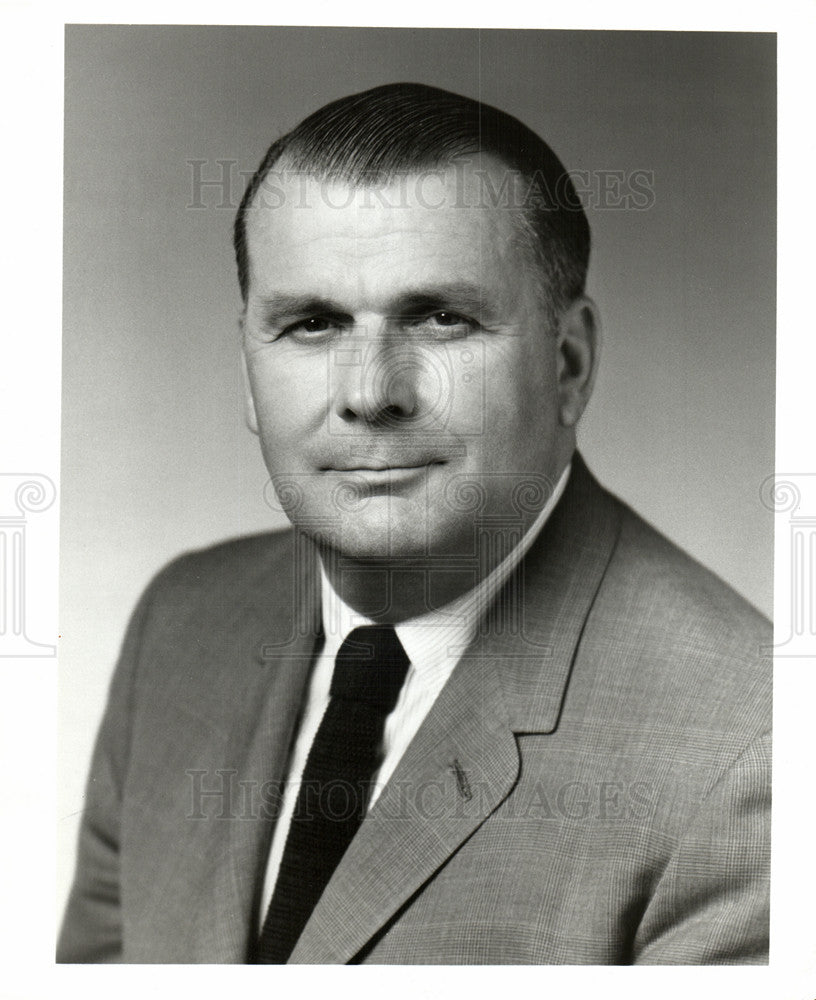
{"points": [[378, 383]]}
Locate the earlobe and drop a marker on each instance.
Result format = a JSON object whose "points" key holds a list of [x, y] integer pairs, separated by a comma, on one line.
{"points": [[579, 342], [250, 416]]}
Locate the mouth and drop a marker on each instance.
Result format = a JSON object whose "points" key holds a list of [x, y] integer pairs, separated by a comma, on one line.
{"points": [[379, 468], [375, 473], [377, 465]]}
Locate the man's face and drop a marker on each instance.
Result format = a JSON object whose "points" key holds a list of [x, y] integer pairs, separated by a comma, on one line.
{"points": [[402, 370]]}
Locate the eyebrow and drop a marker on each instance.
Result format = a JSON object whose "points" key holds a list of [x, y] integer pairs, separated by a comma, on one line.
{"points": [[281, 305], [458, 296]]}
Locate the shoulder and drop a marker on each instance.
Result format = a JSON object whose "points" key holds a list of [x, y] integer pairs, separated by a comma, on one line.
{"points": [[649, 581], [235, 573], [207, 613], [229, 560], [662, 578], [679, 637]]}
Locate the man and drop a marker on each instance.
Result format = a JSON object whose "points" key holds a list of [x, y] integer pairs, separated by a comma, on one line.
{"points": [[471, 709]]}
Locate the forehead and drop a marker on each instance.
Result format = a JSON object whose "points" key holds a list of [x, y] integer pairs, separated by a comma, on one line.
{"points": [[461, 221]]}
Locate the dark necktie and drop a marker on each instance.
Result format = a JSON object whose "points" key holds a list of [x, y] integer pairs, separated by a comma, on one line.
{"points": [[369, 670]]}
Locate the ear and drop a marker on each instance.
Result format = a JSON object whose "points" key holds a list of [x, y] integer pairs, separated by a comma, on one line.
{"points": [[579, 344], [250, 416]]}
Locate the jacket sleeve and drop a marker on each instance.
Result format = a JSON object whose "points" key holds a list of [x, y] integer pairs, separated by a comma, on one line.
{"points": [[92, 925], [711, 903]]}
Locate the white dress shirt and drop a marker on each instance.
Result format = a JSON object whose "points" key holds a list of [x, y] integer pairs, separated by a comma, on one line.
{"points": [[434, 643]]}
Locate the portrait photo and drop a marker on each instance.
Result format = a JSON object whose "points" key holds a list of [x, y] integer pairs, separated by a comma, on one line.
{"points": [[417, 505]]}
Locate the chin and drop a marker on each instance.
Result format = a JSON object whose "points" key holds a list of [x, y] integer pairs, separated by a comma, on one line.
{"points": [[374, 539]]}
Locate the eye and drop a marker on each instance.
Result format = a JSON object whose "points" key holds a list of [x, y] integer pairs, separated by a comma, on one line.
{"points": [[312, 328], [315, 324], [445, 322], [445, 318]]}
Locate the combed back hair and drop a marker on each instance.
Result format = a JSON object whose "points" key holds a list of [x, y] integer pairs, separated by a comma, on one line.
{"points": [[402, 128]]}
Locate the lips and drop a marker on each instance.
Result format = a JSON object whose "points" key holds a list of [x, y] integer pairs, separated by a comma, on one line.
{"points": [[382, 477], [385, 467], [369, 463]]}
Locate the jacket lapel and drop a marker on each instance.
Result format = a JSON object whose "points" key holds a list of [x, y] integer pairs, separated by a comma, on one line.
{"points": [[464, 759], [278, 644]]}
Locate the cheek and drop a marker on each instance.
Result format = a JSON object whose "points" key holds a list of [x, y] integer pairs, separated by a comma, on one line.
{"points": [[520, 403], [518, 381], [289, 399], [536, 377]]}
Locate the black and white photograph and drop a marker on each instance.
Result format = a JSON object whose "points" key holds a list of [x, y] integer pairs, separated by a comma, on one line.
{"points": [[419, 498]]}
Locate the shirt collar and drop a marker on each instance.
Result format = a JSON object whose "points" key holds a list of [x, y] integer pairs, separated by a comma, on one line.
{"points": [[435, 640]]}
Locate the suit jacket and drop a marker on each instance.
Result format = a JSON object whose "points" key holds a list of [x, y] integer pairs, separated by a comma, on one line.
{"points": [[591, 786]]}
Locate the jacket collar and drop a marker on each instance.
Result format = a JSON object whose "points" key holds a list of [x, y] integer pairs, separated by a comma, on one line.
{"points": [[533, 630]]}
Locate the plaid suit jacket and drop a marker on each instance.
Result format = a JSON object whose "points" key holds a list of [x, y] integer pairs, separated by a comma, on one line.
{"points": [[591, 786]]}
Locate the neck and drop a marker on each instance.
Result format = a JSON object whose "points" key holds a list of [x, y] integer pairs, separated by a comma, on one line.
{"points": [[395, 590]]}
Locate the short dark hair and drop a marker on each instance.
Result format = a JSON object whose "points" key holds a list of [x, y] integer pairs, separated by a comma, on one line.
{"points": [[370, 137]]}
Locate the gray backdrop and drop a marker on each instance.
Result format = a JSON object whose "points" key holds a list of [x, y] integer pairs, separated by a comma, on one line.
{"points": [[155, 455]]}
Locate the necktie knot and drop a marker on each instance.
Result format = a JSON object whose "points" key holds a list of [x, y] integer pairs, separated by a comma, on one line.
{"points": [[370, 667]]}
